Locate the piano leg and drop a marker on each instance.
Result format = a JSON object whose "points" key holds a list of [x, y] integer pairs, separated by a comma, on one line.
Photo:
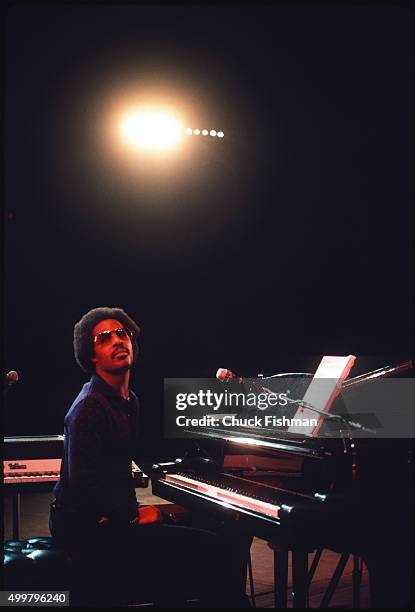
{"points": [[300, 577], [280, 577], [357, 580]]}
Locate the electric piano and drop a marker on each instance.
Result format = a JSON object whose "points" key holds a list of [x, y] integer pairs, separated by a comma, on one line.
{"points": [[33, 462], [32, 465], [345, 493], [19, 473]]}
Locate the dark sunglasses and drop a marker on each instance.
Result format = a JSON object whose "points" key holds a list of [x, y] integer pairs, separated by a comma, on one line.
{"points": [[105, 336]]}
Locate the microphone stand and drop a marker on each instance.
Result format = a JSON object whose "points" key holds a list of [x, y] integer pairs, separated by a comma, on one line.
{"points": [[329, 415], [7, 385]]}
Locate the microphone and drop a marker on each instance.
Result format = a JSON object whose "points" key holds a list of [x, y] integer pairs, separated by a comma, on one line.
{"points": [[225, 376], [10, 379]]}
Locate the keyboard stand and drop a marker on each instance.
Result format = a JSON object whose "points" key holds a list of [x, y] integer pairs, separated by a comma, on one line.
{"points": [[16, 514]]}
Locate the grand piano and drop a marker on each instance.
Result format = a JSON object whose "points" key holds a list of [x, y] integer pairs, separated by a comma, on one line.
{"points": [[342, 490]]}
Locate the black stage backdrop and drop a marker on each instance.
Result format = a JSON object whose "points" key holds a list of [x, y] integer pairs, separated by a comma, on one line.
{"points": [[288, 239]]}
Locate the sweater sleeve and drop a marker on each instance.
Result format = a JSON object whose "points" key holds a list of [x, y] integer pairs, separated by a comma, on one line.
{"points": [[87, 432]]}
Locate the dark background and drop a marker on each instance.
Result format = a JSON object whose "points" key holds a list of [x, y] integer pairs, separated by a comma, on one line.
{"points": [[288, 239]]}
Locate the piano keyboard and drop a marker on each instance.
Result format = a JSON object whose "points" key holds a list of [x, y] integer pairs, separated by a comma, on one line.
{"points": [[224, 494], [19, 471]]}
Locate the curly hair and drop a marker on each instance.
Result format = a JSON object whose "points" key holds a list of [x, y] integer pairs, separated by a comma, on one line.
{"points": [[83, 343]]}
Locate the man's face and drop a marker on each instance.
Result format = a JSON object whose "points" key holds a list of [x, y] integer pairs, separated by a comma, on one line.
{"points": [[113, 350]]}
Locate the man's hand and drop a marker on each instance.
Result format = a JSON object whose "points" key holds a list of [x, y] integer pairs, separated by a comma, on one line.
{"points": [[147, 515]]}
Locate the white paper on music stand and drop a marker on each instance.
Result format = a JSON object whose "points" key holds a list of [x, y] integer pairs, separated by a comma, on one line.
{"points": [[322, 391]]}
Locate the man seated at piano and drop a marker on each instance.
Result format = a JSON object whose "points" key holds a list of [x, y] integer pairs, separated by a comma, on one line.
{"points": [[95, 507]]}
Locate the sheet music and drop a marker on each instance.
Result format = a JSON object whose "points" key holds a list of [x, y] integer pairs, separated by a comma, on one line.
{"points": [[323, 390]]}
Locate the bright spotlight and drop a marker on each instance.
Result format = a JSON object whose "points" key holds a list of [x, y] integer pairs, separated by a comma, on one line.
{"points": [[212, 132], [189, 131], [205, 132], [196, 131], [220, 134], [151, 129]]}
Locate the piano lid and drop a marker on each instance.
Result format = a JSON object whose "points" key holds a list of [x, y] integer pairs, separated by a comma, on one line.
{"points": [[261, 429], [33, 439]]}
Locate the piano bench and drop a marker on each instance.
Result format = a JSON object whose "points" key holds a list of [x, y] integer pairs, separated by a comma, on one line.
{"points": [[34, 564], [39, 564]]}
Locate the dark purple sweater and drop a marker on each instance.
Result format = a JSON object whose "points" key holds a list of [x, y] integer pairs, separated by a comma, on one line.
{"points": [[101, 439]]}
